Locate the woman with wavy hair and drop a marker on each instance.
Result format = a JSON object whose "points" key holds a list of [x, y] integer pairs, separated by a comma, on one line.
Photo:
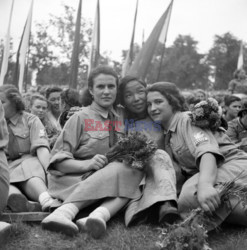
{"points": [[27, 154], [203, 151]]}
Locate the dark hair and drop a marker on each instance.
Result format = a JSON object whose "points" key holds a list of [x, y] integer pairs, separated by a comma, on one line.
{"points": [[171, 93], [37, 97], [236, 73], [87, 99], [71, 97], [52, 89], [122, 85], [14, 96], [101, 69], [229, 99]]}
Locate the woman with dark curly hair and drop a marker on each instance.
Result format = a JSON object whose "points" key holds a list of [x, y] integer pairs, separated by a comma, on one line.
{"points": [[206, 155], [69, 98], [158, 203], [27, 154]]}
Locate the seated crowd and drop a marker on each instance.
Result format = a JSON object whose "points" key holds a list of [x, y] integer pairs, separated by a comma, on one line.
{"points": [[53, 161]]}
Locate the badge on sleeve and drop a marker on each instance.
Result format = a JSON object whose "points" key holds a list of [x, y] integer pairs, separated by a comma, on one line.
{"points": [[42, 133], [200, 137]]}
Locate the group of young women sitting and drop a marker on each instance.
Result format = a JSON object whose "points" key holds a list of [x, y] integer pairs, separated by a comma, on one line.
{"points": [[181, 175]]}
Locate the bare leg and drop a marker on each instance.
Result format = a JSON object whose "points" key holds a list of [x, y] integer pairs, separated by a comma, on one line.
{"points": [[33, 188]]}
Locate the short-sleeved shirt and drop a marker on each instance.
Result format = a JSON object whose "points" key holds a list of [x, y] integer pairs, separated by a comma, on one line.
{"points": [[237, 132], [86, 134], [189, 143], [27, 133]]}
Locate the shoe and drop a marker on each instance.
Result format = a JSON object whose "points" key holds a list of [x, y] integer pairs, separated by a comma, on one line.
{"points": [[19, 203], [57, 222], [96, 227], [5, 229], [168, 213]]}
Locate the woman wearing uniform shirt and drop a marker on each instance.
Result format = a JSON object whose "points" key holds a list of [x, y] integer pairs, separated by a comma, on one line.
{"points": [[39, 106], [158, 202], [79, 172], [27, 154], [4, 174], [206, 157]]}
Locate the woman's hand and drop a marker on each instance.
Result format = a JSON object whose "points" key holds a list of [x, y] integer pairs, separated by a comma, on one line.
{"points": [[208, 197], [97, 162]]}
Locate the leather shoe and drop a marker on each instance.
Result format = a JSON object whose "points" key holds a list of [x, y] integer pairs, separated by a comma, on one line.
{"points": [[168, 213]]}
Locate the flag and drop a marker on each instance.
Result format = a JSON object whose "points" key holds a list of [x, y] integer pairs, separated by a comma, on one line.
{"points": [[143, 60], [22, 51], [5, 61], [75, 53], [95, 48], [241, 57], [130, 55]]}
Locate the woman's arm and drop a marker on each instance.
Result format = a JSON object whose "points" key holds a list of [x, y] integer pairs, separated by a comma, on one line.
{"points": [[207, 195], [43, 155], [81, 166]]}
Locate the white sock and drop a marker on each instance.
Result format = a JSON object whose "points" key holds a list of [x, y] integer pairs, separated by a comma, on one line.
{"points": [[45, 200], [101, 212], [69, 210]]}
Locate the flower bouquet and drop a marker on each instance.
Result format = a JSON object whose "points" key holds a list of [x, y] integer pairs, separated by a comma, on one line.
{"points": [[135, 149], [191, 233], [207, 114]]}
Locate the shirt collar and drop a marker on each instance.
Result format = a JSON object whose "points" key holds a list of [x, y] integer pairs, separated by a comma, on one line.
{"points": [[174, 122], [14, 119], [103, 112]]}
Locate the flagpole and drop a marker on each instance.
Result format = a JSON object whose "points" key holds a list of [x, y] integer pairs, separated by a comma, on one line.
{"points": [[161, 62], [129, 56], [75, 53], [5, 58], [164, 45], [143, 60], [94, 59]]}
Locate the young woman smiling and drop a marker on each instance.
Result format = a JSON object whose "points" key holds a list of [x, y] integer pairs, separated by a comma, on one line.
{"points": [[206, 157]]}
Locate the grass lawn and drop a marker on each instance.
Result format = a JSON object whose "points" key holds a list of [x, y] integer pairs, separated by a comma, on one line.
{"points": [[31, 236]]}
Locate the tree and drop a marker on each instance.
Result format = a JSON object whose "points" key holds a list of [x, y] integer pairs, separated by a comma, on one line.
{"points": [[182, 64], [224, 56], [51, 47]]}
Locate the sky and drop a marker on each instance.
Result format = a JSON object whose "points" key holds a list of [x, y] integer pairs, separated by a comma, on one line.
{"points": [[202, 19]]}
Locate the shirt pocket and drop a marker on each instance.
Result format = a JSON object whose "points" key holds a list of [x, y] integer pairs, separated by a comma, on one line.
{"points": [[23, 140], [183, 155], [92, 143]]}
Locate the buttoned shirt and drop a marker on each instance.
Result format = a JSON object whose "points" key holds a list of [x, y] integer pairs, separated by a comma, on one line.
{"points": [[86, 134], [188, 143], [237, 133], [28, 134]]}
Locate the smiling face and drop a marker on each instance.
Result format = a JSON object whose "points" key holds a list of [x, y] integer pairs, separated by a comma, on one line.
{"points": [[55, 101], [104, 90], [159, 108], [135, 97], [39, 108]]}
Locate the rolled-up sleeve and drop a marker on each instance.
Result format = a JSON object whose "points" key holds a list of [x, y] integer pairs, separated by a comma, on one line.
{"points": [[68, 140], [38, 136], [200, 142]]}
